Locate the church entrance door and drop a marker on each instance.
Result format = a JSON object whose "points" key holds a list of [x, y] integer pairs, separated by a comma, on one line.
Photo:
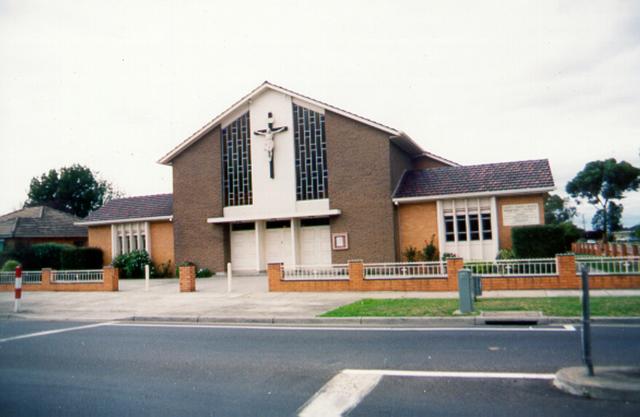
{"points": [[278, 242]]}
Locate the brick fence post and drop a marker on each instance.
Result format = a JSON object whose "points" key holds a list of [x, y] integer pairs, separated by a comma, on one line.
{"points": [[274, 274], [453, 266], [356, 275], [45, 279], [187, 278], [111, 278], [567, 275], [634, 250]]}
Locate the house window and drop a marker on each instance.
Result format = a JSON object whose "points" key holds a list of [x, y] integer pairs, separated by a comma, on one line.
{"points": [[129, 237], [236, 162], [467, 220]]}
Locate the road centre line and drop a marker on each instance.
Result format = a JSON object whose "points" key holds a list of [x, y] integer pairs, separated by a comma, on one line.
{"points": [[350, 329], [55, 331]]}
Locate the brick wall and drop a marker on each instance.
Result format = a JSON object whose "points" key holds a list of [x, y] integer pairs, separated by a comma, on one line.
{"points": [[110, 283], [197, 195], [100, 237], [417, 223], [161, 241], [565, 279]]}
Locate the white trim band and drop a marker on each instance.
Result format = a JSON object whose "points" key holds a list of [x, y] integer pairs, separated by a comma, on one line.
{"points": [[403, 200], [116, 221], [252, 218]]}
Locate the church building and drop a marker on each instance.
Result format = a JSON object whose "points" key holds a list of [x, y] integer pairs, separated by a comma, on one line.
{"points": [[281, 177]]}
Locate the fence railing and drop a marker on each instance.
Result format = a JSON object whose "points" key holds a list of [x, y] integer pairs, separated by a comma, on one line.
{"points": [[335, 272], [405, 270], [28, 277], [93, 275], [628, 265], [514, 267]]}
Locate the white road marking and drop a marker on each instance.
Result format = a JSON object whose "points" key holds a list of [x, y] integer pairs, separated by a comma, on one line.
{"points": [[348, 329], [448, 374], [570, 327], [49, 332], [348, 388], [340, 395]]}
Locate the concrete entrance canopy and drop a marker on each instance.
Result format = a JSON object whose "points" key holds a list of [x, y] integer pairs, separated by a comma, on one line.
{"points": [[250, 218]]}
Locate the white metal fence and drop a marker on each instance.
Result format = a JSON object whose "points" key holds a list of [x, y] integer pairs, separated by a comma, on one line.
{"points": [[336, 272], [598, 265], [28, 277], [80, 276], [538, 267], [405, 270]]}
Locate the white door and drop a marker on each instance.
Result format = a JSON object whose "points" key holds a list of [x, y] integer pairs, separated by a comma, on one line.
{"points": [[278, 245], [315, 245], [243, 250]]}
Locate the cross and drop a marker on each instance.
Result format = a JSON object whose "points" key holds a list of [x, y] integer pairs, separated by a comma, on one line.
{"points": [[269, 144]]}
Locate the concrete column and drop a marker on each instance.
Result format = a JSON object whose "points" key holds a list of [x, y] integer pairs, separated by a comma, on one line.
{"points": [[495, 236], [295, 230]]}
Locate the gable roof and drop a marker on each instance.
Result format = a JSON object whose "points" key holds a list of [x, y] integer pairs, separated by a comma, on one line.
{"points": [[140, 208], [40, 222], [522, 176], [401, 138]]}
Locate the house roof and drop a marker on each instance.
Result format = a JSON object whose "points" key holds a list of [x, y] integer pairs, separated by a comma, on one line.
{"points": [[399, 137], [141, 208], [40, 222], [534, 175]]}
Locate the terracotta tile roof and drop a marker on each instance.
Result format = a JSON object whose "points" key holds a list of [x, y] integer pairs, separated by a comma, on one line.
{"points": [[40, 222], [501, 176], [140, 207]]}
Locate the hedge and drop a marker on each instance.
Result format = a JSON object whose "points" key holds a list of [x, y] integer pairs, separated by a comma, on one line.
{"points": [[538, 241], [81, 258]]}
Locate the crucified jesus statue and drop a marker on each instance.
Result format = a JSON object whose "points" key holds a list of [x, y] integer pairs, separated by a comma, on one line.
{"points": [[269, 144]]}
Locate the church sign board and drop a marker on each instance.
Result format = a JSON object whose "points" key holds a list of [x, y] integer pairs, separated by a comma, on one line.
{"points": [[520, 214]]}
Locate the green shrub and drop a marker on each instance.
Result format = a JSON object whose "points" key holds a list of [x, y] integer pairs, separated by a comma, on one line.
{"points": [[81, 258], [10, 265], [204, 273], [544, 241], [410, 253], [448, 255], [506, 254], [43, 255], [132, 264], [430, 252], [185, 263], [163, 270]]}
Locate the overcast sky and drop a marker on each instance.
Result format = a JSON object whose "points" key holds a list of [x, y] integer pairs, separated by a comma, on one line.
{"points": [[116, 84]]}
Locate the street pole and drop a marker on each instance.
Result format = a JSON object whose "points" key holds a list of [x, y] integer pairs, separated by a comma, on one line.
{"points": [[586, 321], [229, 274], [146, 277]]}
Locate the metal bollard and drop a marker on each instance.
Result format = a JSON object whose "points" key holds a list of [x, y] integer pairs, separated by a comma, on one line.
{"points": [[586, 321], [18, 288]]}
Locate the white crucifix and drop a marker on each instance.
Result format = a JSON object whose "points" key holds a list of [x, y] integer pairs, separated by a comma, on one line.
{"points": [[269, 144]]}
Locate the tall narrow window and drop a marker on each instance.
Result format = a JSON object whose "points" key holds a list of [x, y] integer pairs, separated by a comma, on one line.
{"points": [[236, 162], [311, 154], [449, 230], [474, 227], [486, 226]]}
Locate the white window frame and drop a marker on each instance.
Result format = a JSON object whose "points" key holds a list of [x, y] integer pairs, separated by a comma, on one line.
{"points": [[127, 237]]}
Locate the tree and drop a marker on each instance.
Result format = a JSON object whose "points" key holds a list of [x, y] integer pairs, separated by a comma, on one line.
{"points": [[602, 181], [75, 189], [556, 210], [614, 219]]}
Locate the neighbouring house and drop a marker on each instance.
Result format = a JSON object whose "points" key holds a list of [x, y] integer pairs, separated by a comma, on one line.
{"points": [[127, 224], [281, 177], [39, 224]]}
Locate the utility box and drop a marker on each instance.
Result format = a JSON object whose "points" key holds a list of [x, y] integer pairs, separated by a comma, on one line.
{"points": [[465, 291], [477, 286]]}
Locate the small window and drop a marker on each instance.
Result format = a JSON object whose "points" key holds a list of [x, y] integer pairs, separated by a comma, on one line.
{"points": [[279, 224], [143, 238], [474, 227], [449, 232], [486, 226], [461, 221], [243, 226]]}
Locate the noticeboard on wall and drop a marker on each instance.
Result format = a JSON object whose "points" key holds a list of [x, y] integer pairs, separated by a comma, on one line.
{"points": [[520, 214]]}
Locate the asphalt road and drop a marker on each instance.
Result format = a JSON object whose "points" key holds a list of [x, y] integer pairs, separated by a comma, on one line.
{"points": [[179, 370]]}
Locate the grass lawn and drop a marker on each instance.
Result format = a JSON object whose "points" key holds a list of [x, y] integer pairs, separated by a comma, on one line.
{"points": [[551, 306]]}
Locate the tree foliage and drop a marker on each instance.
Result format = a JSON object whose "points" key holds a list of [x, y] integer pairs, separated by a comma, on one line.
{"points": [[600, 182], [75, 189], [557, 210], [614, 219]]}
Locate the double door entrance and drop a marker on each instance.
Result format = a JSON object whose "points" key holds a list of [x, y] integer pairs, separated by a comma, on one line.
{"points": [[293, 242]]}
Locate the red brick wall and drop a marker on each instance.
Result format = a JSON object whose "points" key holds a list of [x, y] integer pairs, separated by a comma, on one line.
{"points": [[110, 283]]}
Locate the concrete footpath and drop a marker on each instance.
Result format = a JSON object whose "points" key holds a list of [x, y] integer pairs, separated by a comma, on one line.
{"points": [[249, 301]]}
